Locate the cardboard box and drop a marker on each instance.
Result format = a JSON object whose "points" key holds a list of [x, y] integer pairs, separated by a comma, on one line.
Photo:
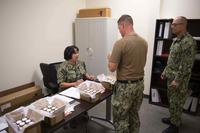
{"points": [[107, 85], [33, 127], [88, 98], [90, 91], [50, 118], [19, 96], [54, 120], [96, 12]]}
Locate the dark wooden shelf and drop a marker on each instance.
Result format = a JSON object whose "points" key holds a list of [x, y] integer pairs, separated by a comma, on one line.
{"points": [[163, 56], [164, 39], [162, 44], [159, 104], [156, 72], [196, 78], [159, 88]]}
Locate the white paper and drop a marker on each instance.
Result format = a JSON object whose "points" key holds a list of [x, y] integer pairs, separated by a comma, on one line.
{"points": [[4, 131], [3, 123], [71, 92], [63, 98], [103, 78]]}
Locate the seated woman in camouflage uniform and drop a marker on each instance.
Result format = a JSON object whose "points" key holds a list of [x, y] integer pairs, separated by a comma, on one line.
{"points": [[72, 71]]}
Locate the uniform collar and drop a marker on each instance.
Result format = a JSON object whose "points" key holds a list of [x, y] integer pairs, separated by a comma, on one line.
{"points": [[131, 34], [181, 37]]}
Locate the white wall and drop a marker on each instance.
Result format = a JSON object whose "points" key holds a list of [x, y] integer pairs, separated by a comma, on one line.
{"points": [[187, 8], [34, 31], [31, 32], [144, 15]]}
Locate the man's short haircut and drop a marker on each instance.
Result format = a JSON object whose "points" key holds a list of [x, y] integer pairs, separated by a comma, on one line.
{"points": [[182, 19], [69, 51], [125, 18]]}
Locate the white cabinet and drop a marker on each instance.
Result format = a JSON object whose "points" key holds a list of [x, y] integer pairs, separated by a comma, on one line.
{"points": [[95, 38]]}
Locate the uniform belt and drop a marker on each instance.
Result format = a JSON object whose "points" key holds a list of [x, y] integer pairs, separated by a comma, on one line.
{"points": [[130, 81]]}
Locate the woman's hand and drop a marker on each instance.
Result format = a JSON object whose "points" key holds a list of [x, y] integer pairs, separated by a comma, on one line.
{"points": [[90, 77], [78, 82]]}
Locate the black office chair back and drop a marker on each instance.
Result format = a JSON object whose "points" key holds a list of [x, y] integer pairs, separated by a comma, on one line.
{"points": [[49, 72]]}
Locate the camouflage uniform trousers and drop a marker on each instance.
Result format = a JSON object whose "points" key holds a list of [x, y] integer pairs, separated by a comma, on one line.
{"points": [[126, 102], [177, 97]]}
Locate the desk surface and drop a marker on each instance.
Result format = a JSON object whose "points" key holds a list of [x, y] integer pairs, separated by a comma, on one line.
{"points": [[78, 110]]}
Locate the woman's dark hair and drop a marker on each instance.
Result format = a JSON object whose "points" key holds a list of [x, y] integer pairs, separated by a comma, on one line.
{"points": [[69, 51]]}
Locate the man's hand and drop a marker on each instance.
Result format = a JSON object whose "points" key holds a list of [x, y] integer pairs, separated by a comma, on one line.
{"points": [[162, 76], [174, 84], [111, 66]]}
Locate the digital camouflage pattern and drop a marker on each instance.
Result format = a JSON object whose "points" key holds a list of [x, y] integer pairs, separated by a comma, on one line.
{"points": [[126, 102], [177, 99], [179, 67], [70, 73]]}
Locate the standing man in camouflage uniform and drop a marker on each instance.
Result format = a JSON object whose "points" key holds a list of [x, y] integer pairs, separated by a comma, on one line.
{"points": [[178, 72], [128, 58]]}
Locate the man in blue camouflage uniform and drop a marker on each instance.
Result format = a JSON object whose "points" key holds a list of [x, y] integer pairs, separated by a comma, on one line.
{"points": [[178, 72], [128, 58]]}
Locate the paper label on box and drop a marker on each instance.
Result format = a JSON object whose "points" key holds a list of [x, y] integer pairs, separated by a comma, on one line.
{"points": [[5, 106]]}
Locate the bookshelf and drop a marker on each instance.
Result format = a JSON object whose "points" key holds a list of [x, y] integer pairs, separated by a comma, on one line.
{"points": [[162, 42]]}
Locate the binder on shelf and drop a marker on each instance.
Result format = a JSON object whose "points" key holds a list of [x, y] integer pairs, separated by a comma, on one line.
{"points": [[197, 38], [188, 102], [155, 95], [159, 47], [197, 56], [167, 30], [194, 104], [160, 29]]}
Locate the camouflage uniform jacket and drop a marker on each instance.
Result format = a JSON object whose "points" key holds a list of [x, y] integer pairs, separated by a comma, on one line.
{"points": [[181, 58], [70, 73]]}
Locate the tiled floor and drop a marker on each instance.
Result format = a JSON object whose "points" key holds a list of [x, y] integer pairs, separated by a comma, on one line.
{"points": [[150, 116]]}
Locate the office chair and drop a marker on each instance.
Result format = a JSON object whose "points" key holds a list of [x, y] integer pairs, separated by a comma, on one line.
{"points": [[50, 77]]}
